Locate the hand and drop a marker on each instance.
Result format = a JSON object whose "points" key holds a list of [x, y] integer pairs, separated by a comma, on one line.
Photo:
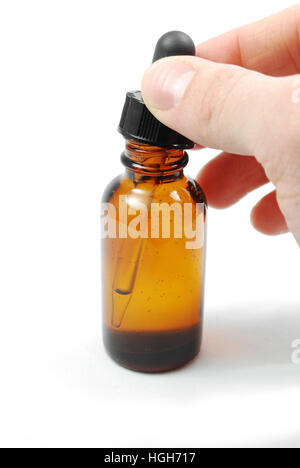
{"points": [[250, 107]]}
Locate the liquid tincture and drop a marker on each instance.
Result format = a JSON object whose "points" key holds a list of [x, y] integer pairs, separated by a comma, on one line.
{"points": [[153, 247]]}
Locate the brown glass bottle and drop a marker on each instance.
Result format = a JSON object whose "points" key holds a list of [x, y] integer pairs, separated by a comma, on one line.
{"points": [[153, 261]]}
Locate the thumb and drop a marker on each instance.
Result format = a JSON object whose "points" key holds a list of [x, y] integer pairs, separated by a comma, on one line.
{"points": [[216, 105], [237, 110]]}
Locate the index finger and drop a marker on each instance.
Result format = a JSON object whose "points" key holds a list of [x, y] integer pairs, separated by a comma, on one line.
{"points": [[270, 46]]}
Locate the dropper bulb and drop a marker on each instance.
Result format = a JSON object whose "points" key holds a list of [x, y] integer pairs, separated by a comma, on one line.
{"points": [[174, 43]]}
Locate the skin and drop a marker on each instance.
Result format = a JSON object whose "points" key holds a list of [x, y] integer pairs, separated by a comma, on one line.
{"points": [[241, 94]]}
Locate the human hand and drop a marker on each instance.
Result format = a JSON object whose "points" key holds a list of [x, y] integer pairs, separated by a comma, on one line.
{"points": [[250, 107]]}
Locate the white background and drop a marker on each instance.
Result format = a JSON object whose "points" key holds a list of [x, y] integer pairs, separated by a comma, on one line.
{"points": [[64, 69]]}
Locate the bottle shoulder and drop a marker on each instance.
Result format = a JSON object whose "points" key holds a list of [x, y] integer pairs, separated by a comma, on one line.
{"points": [[196, 190], [111, 189], [182, 190]]}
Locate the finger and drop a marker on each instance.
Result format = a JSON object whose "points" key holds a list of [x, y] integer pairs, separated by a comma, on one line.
{"points": [[270, 46], [267, 218], [229, 177], [220, 106]]}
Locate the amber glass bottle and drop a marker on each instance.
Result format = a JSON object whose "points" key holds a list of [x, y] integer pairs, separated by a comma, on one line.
{"points": [[153, 286], [153, 242]]}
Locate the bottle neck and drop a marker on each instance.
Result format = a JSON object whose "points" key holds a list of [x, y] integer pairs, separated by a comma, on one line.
{"points": [[153, 162]]}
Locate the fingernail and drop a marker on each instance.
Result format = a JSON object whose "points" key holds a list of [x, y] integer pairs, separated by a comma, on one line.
{"points": [[164, 84]]}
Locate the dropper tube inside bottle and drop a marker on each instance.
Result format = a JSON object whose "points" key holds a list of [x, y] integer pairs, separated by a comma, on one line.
{"points": [[157, 163]]}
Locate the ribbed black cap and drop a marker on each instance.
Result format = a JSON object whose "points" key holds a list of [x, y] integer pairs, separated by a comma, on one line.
{"points": [[137, 122]]}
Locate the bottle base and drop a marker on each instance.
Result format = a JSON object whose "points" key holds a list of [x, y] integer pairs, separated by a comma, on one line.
{"points": [[153, 351]]}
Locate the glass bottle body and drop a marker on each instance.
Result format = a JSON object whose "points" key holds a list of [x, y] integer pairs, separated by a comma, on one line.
{"points": [[153, 254]]}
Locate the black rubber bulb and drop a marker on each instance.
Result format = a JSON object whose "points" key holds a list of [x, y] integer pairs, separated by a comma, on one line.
{"points": [[174, 43]]}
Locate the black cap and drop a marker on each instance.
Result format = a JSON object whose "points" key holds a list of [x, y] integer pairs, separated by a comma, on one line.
{"points": [[137, 122]]}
